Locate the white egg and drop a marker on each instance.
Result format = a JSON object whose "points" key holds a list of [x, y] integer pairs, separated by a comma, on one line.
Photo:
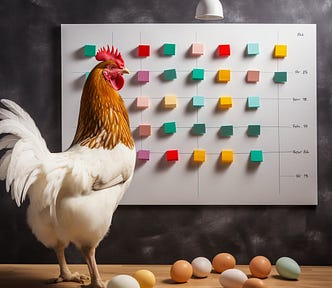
{"points": [[201, 267], [232, 278], [123, 281]]}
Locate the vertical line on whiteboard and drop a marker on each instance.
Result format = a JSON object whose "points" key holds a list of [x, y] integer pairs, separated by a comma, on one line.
{"points": [[141, 88], [279, 154], [197, 118]]}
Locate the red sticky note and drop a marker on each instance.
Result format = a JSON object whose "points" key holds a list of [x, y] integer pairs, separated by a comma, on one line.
{"points": [[172, 155], [224, 50], [143, 50]]}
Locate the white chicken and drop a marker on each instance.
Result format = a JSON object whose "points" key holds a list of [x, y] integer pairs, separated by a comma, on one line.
{"points": [[73, 194]]}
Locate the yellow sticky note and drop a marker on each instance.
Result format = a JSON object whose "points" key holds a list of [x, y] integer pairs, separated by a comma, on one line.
{"points": [[225, 102], [170, 101], [280, 51], [226, 156], [224, 76], [199, 155]]}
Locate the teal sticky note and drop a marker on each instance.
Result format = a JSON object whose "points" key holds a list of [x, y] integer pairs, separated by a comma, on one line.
{"points": [[253, 102], [198, 74], [226, 130], [169, 49], [256, 156], [198, 101], [170, 74], [280, 77], [252, 49], [169, 127], [254, 130], [89, 50], [86, 75], [199, 129]]}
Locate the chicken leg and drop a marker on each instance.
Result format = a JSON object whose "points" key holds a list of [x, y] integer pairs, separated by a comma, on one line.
{"points": [[89, 254]]}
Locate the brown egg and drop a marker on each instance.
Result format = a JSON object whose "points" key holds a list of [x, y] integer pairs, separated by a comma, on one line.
{"points": [[260, 267], [254, 283], [223, 261], [181, 271]]}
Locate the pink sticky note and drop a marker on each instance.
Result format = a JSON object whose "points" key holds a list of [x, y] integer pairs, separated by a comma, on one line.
{"points": [[197, 49], [143, 155], [144, 130], [252, 76], [143, 76], [142, 102]]}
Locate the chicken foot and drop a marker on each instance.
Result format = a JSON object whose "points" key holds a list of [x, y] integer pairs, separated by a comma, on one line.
{"points": [[65, 274], [89, 254]]}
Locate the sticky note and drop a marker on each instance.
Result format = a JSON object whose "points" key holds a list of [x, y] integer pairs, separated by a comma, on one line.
{"points": [[142, 102], [225, 102], [254, 130], [172, 155], [169, 49], [252, 49], [256, 156], [143, 155], [252, 76], [197, 74], [169, 74], [86, 75], [199, 155], [170, 101], [280, 77], [253, 102], [169, 127], [226, 156], [280, 51], [226, 130], [198, 101], [144, 130], [224, 50], [143, 50], [89, 50], [199, 128], [143, 76], [224, 76], [197, 49]]}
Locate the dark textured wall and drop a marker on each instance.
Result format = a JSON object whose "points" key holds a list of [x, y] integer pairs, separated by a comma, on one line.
{"points": [[30, 74]]}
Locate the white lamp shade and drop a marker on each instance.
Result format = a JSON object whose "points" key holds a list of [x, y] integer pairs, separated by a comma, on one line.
{"points": [[209, 10]]}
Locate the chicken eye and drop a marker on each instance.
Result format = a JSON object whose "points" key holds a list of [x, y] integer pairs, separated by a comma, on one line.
{"points": [[111, 67]]}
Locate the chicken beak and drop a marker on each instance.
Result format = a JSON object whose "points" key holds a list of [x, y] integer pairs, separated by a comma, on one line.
{"points": [[125, 71]]}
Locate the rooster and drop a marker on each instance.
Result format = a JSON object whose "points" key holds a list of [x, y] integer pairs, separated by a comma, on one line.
{"points": [[73, 194]]}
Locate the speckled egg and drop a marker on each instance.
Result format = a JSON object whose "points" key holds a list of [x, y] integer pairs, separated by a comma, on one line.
{"points": [[260, 267], [223, 261], [201, 267], [123, 281], [288, 268], [181, 271], [254, 283], [232, 278]]}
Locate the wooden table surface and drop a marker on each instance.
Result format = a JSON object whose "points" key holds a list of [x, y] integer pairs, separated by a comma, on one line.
{"points": [[36, 276]]}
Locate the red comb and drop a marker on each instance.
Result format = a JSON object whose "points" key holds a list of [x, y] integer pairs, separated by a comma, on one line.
{"points": [[105, 54]]}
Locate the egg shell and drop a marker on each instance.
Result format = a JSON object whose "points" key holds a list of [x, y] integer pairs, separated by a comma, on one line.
{"points": [[181, 271], [260, 267], [223, 261], [288, 268], [201, 267], [254, 283], [145, 278], [123, 281], [232, 278]]}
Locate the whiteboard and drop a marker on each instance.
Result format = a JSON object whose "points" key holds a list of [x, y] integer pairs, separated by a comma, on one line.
{"points": [[283, 120]]}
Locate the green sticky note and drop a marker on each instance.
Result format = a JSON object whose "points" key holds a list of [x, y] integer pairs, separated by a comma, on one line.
{"points": [[253, 102], [256, 156], [198, 74], [226, 130], [198, 101], [170, 74], [254, 130], [199, 129], [169, 127], [89, 50], [169, 49], [280, 77]]}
